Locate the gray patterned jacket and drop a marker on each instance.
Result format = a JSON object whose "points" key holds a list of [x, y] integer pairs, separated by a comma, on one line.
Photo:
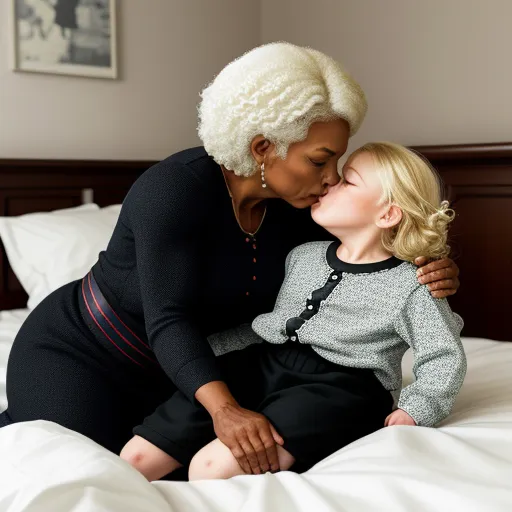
{"points": [[365, 316]]}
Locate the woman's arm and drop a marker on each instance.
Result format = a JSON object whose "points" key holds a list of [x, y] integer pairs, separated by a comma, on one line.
{"points": [[167, 209]]}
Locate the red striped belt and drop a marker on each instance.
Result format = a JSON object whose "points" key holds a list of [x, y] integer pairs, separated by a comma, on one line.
{"points": [[113, 328]]}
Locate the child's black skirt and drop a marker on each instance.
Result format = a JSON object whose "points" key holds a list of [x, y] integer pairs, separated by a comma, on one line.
{"points": [[317, 406]]}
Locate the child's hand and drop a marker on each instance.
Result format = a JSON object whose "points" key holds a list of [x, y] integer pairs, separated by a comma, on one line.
{"points": [[399, 417]]}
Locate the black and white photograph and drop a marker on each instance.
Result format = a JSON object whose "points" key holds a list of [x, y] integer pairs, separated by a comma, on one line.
{"points": [[68, 37]]}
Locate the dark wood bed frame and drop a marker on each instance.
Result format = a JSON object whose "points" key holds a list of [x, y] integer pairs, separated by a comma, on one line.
{"points": [[28, 186], [478, 178]]}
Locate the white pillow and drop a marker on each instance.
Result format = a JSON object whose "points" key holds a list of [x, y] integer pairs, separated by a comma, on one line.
{"points": [[48, 250]]}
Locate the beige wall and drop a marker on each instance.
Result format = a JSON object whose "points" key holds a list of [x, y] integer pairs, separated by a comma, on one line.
{"points": [[168, 49], [435, 72]]}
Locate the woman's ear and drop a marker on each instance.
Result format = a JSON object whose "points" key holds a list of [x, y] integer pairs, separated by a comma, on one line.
{"points": [[260, 146], [390, 217]]}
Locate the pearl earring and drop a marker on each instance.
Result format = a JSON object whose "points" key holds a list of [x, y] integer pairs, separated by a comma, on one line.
{"points": [[263, 184]]}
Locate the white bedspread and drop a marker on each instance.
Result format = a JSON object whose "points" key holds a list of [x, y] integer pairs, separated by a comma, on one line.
{"points": [[465, 465], [10, 323]]}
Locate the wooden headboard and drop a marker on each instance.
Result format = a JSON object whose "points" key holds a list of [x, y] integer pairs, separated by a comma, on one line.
{"points": [[479, 184], [478, 178], [28, 186]]}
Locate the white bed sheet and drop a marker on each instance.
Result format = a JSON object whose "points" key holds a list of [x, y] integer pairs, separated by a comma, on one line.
{"points": [[464, 465], [10, 323]]}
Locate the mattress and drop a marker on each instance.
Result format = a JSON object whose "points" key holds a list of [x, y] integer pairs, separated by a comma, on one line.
{"points": [[463, 465]]}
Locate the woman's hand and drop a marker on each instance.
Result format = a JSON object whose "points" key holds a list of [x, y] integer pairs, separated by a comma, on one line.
{"points": [[250, 437], [441, 274], [399, 417]]}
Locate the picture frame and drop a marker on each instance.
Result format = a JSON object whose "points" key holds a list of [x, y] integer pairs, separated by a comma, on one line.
{"points": [[65, 37]]}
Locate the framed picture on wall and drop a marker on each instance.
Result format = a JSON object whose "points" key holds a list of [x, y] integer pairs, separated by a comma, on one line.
{"points": [[66, 37]]}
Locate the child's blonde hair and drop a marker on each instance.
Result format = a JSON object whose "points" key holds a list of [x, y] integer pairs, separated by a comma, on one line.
{"points": [[410, 183]]}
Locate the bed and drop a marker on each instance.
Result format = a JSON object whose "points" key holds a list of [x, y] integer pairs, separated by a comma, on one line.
{"points": [[465, 464]]}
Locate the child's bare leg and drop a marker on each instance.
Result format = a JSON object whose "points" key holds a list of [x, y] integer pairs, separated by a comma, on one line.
{"points": [[215, 461], [149, 460]]}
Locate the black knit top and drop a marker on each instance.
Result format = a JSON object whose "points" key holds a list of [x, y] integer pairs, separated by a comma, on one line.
{"points": [[180, 267]]}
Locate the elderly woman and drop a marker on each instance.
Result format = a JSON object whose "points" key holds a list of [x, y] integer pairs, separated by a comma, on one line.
{"points": [[199, 248]]}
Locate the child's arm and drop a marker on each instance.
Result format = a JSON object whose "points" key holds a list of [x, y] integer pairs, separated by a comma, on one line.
{"points": [[236, 338], [242, 336], [432, 330]]}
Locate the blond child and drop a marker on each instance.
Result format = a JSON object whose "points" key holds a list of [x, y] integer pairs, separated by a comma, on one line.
{"points": [[330, 370]]}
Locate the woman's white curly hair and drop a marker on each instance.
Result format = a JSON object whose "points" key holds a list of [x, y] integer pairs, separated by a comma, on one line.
{"points": [[277, 90]]}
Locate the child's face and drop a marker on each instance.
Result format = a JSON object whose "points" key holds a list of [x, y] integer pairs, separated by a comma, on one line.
{"points": [[355, 202]]}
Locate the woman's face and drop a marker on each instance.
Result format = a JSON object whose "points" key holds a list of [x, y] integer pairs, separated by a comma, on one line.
{"points": [[311, 166]]}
